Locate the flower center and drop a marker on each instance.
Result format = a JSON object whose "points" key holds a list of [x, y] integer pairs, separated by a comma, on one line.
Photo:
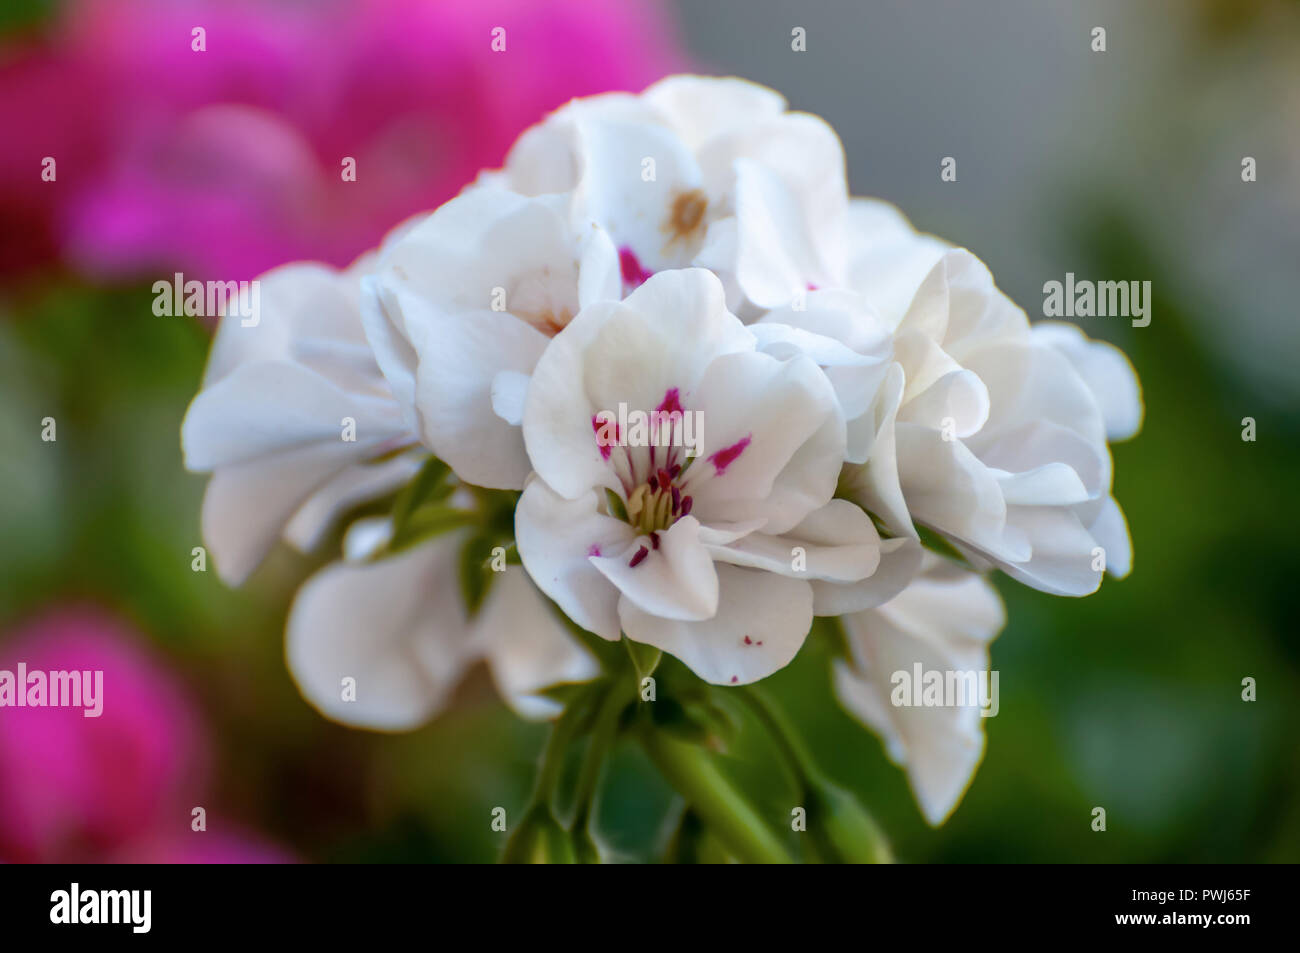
{"points": [[687, 214], [656, 504]]}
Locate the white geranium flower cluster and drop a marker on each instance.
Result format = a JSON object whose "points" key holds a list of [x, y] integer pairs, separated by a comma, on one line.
{"points": [[691, 250]]}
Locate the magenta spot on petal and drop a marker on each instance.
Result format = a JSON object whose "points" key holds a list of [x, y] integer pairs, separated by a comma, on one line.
{"points": [[594, 550], [603, 442], [748, 640], [811, 286], [671, 402], [633, 274], [734, 679], [727, 455]]}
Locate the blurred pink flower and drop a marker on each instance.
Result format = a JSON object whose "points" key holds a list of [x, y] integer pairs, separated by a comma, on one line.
{"points": [[227, 162], [117, 786]]}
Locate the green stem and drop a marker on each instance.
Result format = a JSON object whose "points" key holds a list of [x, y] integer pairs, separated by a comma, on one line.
{"points": [[841, 826], [604, 732], [795, 758], [710, 794], [562, 734]]}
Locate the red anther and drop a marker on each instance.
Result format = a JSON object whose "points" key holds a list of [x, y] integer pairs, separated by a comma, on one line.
{"points": [[654, 483], [641, 554], [687, 503], [664, 478], [677, 499], [675, 469], [654, 540]]}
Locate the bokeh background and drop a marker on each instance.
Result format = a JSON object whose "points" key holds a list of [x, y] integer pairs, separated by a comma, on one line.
{"points": [[1122, 165]]}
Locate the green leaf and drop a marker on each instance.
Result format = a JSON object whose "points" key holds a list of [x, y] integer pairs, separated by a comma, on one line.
{"points": [[425, 523], [476, 575], [430, 485], [936, 543], [566, 693], [645, 658]]}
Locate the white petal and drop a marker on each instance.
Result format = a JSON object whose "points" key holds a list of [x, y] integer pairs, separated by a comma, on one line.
{"points": [[803, 154], [774, 613], [395, 626], [662, 337], [776, 257], [1107, 372], [635, 209], [701, 107], [949, 489], [265, 407], [509, 391], [773, 440], [1062, 548], [957, 402], [297, 306], [838, 542], [1033, 384], [943, 621], [461, 359], [1035, 450], [900, 560], [872, 479], [351, 486], [557, 539], [888, 259], [674, 581], [1105, 521], [527, 647]]}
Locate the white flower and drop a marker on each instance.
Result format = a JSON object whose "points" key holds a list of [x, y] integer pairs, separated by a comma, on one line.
{"points": [[697, 556], [271, 419], [459, 310], [944, 621], [697, 171], [399, 629], [986, 432]]}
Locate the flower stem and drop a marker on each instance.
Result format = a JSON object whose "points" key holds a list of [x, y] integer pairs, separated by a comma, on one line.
{"points": [[730, 817], [605, 730], [841, 827]]}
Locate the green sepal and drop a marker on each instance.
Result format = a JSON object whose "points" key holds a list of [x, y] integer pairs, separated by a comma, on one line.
{"points": [[617, 508], [539, 839]]}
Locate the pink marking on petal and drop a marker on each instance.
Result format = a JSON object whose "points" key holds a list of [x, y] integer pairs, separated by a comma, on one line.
{"points": [[727, 455], [594, 550], [633, 274], [603, 442], [748, 640], [671, 402], [735, 679]]}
